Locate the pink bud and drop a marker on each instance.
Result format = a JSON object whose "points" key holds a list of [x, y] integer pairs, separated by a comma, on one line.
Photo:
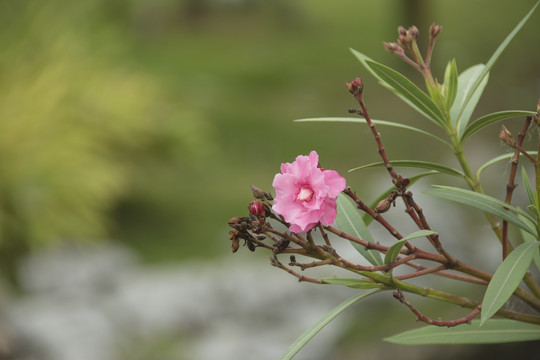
{"points": [[256, 208], [434, 30], [355, 87]]}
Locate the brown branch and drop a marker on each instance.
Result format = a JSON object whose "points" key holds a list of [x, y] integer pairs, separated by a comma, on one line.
{"points": [[377, 217], [421, 270], [275, 262], [434, 239], [367, 244], [356, 88], [506, 246], [448, 323], [313, 264], [324, 234], [295, 239]]}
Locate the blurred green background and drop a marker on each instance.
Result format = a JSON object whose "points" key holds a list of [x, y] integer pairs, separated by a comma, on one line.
{"points": [[145, 122]]}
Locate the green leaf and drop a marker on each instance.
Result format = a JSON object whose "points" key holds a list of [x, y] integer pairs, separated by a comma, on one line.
{"points": [[376, 122], [393, 251], [350, 221], [450, 83], [352, 282], [507, 278], [528, 188], [485, 203], [404, 89], [368, 219], [463, 107], [529, 238], [533, 210], [493, 331], [489, 119], [416, 164], [497, 159], [477, 81], [313, 330]]}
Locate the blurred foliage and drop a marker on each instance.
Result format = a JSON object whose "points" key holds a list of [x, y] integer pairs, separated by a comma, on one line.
{"points": [[146, 121], [76, 118]]}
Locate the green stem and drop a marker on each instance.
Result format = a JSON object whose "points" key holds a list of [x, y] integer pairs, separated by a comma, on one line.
{"points": [[459, 300], [475, 185]]}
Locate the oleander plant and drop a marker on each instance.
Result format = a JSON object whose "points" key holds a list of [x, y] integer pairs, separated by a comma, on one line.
{"points": [[312, 208]]}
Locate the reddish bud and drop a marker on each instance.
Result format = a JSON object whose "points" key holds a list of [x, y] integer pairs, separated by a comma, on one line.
{"points": [[401, 31], [434, 30], [405, 181], [256, 208], [393, 48], [413, 32], [402, 42], [506, 136], [355, 87]]}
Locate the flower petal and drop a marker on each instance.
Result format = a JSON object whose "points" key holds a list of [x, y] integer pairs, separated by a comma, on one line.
{"points": [[296, 181]]}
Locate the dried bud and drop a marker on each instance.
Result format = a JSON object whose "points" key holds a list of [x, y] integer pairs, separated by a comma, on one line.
{"points": [[401, 31], [383, 206], [251, 246], [234, 221], [281, 245], [402, 42], [257, 193], [355, 87], [434, 30], [256, 208], [393, 48], [506, 136], [239, 222], [234, 237], [413, 33]]}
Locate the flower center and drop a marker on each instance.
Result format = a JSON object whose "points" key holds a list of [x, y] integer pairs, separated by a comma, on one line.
{"points": [[305, 194]]}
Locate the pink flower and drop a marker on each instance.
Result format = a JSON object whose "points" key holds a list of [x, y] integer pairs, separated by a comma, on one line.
{"points": [[306, 194]]}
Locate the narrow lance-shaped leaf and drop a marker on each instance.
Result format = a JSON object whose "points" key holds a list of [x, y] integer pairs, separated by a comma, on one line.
{"points": [[507, 278], [529, 238], [416, 164], [376, 122], [497, 159], [485, 203], [450, 83], [493, 331], [478, 79], [531, 195], [404, 89], [489, 119], [350, 221], [393, 251], [463, 107], [313, 330]]}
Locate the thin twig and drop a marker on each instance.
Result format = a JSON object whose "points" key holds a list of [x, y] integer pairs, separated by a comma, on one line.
{"points": [[356, 88], [275, 262], [377, 217], [324, 234], [448, 323], [506, 246]]}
